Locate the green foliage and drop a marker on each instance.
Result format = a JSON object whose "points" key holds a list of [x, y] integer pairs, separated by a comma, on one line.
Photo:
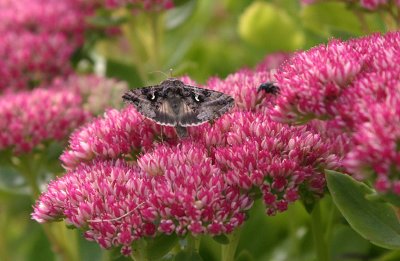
{"points": [[266, 25], [375, 221]]}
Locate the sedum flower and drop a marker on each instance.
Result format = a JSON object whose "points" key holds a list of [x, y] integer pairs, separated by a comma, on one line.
{"points": [[203, 184], [52, 112], [338, 81], [29, 118], [98, 93], [44, 16], [116, 202], [27, 59], [354, 86], [243, 86], [376, 146], [38, 39]]}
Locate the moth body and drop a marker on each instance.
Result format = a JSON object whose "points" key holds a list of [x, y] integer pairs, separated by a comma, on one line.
{"points": [[173, 103]]}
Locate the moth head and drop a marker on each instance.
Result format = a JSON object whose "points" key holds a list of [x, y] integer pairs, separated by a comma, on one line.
{"points": [[172, 82]]}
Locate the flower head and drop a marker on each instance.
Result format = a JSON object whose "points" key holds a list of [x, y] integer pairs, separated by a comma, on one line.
{"points": [[338, 81], [29, 118], [377, 146], [354, 86], [27, 59], [200, 185], [98, 93]]}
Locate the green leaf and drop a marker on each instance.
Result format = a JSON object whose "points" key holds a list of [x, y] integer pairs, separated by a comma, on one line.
{"points": [[188, 256], [222, 239], [338, 20], [270, 27], [160, 246], [375, 221], [177, 16]]}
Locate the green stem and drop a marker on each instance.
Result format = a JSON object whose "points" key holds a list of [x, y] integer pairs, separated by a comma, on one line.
{"points": [[3, 225], [390, 256], [156, 34], [229, 250], [318, 235], [61, 240], [139, 250], [361, 17], [330, 224]]}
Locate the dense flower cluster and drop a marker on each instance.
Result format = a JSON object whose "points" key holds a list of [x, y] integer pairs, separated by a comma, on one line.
{"points": [[148, 5], [28, 118], [355, 86], [45, 16], [202, 184], [98, 93], [376, 146], [27, 59], [242, 86], [38, 39]]}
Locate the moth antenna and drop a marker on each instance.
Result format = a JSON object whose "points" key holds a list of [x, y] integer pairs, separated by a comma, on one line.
{"points": [[163, 73], [162, 133], [170, 72], [115, 219]]}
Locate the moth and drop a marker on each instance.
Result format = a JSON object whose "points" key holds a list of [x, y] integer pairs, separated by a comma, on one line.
{"points": [[173, 103], [269, 87]]}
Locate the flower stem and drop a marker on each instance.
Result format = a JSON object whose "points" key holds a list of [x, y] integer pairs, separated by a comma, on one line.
{"points": [[318, 235], [229, 250], [156, 35], [63, 241]]}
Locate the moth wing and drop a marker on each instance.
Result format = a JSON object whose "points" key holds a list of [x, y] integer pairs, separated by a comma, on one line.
{"points": [[208, 106], [158, 110]]}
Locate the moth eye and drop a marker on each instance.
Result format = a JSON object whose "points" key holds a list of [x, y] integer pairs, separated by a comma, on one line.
{"points": [[151, 96], [198, 98]]}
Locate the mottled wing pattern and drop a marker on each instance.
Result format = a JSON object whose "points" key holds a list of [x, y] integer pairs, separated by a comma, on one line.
{"points": [[173, 103], [203, 105], [157, 109]]}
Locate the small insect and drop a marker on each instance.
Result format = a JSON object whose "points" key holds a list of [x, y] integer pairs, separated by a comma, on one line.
{"points": [[269, 87], [173, 103]]}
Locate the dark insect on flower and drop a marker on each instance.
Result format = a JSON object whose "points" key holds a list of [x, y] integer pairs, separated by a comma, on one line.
{"points": [[269, 87], [173, 103]]}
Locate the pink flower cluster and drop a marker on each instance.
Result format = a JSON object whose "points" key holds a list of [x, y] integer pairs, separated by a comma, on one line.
{"points": [[148, 5], [45, 16], [354, 85], [129, 178], [28, 118], [98, 93], [27, 59], [38, 39]]}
